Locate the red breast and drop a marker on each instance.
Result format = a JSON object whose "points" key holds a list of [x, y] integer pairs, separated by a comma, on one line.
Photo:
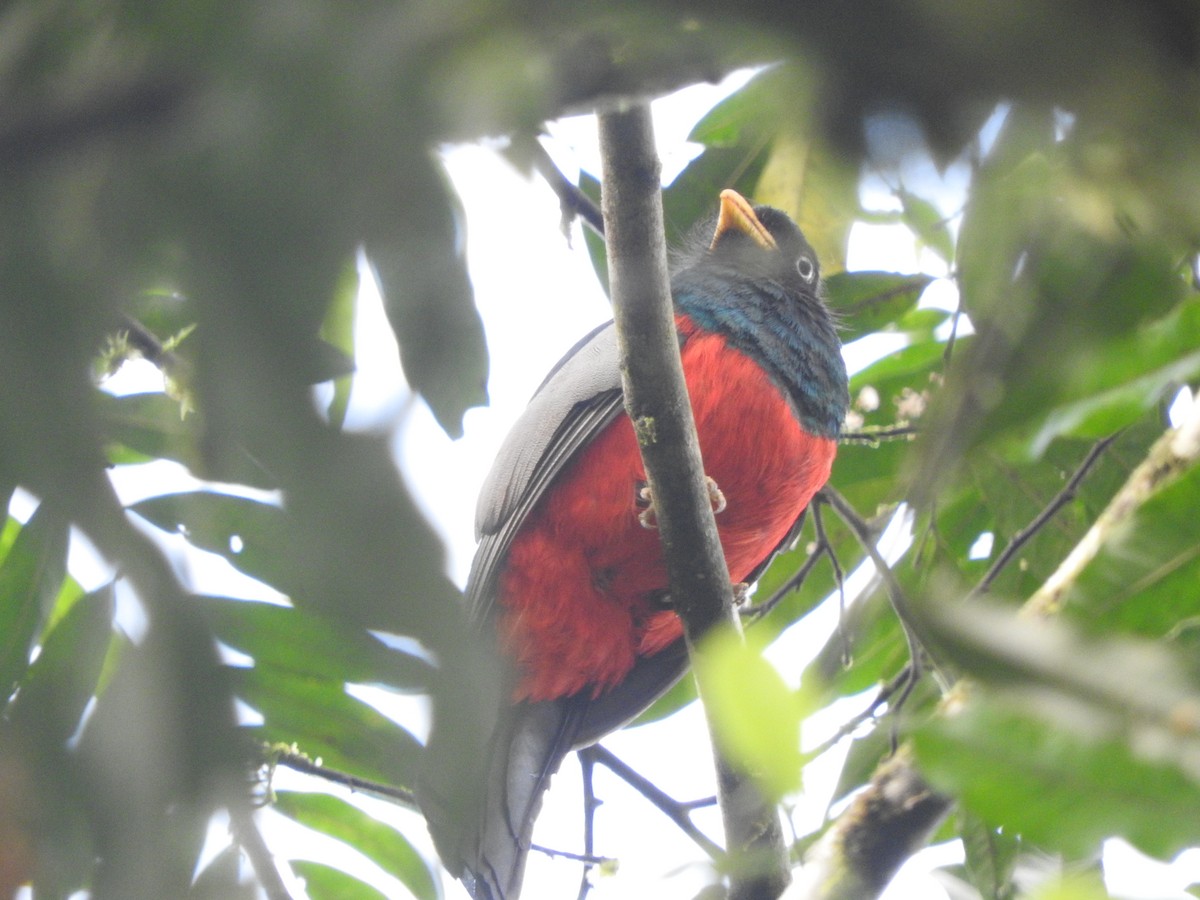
{"points": [[581, 594]]}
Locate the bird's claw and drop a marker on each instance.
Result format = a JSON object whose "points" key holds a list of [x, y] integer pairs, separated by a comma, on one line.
{"points": [[715, 497], [741, 593], [647, 517]]}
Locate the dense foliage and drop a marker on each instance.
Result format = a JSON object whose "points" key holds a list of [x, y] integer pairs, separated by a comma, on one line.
{"points": [[190, 183]]}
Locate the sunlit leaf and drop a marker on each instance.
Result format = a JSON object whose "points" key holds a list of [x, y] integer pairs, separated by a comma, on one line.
{"points": [[867, 302], [143, 427], [302, 642], [758, 717], [325, 722], [248, 533], [991, 856], [927, 223], [382, 843], [64, 677], [30, 576], [324, 882], [1145, 574], [338, 331]]}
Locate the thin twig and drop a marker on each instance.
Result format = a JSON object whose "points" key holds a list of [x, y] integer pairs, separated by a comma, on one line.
{"points": [[588, 764], [677, 812], [1061, 499], [879, 434], [571, 199], [586, 858], [903, 607], [147, 343], [758, 610], [838, 577], [250, 839], [300, 763], [899, 681]]}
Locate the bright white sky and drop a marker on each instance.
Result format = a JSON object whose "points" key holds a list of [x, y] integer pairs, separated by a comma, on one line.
{"points": [[513, 238]]}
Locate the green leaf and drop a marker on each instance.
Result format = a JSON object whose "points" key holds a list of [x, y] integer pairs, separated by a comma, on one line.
{"points": [[1064, 740], [380, 842], [250, 534], [64, 677], [327, 723], [868, 302], [1144, 577], [324, 882], [1056, 786], [1103, 413], [428, 298], [927, 223], [30, 577], [220, 879], [991, 856], [143, 427], [338, 331], [298, 641], [597, 249], [757, 716]]}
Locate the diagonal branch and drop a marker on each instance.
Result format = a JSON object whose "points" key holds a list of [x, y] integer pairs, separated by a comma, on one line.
{"points": [[1061, 499], [1172, 454], [250, 839], [679, 813], [299, 762], [656, 399]]}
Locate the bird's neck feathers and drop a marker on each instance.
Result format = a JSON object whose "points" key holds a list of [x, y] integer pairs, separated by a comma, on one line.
{"points": [[790, 333]]}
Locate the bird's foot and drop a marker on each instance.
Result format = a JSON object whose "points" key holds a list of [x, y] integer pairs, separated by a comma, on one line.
{"points": [[741, 593], [647, 518], [715, 497]]}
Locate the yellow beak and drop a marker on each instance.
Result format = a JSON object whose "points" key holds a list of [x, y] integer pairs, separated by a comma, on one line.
{"points": [[738, 215]]}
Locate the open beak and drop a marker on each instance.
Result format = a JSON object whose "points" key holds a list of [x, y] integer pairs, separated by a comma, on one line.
{"points": [[738, 215]]}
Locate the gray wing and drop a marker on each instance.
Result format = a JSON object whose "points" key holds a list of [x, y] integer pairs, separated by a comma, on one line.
{"points": [[578, 399]]}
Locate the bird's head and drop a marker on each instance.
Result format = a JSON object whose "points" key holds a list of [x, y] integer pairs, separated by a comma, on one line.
{"points": [[760, 242]]}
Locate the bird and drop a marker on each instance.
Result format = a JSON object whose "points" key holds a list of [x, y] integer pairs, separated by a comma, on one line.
{"points": [[568, 578]]}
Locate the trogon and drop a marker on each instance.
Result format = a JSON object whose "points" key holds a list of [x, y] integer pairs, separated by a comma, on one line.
{"points": [[569, 576]]}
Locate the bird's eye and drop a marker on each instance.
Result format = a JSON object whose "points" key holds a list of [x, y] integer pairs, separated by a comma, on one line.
{"points": [[807, 268]]}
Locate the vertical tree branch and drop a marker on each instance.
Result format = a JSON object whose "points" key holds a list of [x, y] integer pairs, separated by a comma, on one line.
{"points": [[656, 400]]}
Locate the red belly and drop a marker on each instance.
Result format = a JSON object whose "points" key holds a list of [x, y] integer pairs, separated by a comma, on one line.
{"points": [[581, 593]]}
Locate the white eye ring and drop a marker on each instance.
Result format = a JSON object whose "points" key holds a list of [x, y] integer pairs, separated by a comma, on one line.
{"points": [[807, 268]]}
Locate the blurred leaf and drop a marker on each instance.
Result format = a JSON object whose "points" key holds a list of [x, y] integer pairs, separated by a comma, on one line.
{"points": [[64, 677], [150, 426], [249, 534], [324, 882], [338, 331], [868, 302], [758, 717], [597, 249], [1144, 577], [294, 640], [327, 723], [220, 879], [817, 187], [927, 223], [1056, 786], [1076, 886], [991, 856], [428, 299], [376, 840], [736, 134], [30, 576], [1084, 732]]}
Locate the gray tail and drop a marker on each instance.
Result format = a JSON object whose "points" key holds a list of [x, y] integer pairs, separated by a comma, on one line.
{"points": [[482, 818]]}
